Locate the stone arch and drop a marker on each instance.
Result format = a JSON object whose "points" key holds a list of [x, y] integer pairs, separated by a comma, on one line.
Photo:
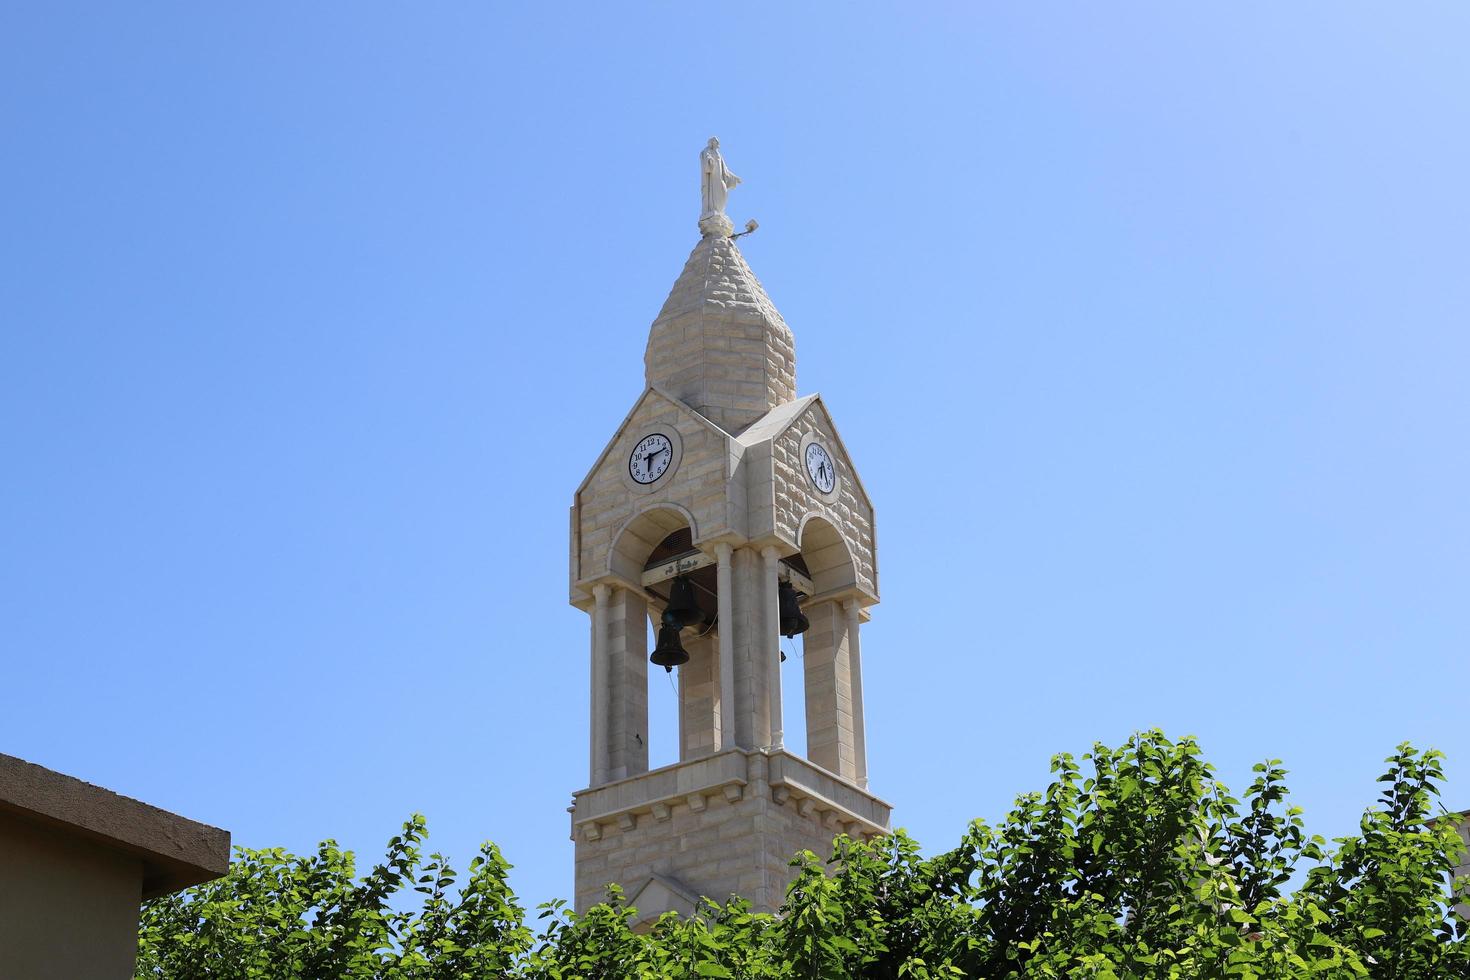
{"points": [[828, 559], [641, 533]]}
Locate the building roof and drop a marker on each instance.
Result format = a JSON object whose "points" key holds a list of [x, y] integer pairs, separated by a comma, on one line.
{"points": [[716, 278], [176, 852], [775, 422], [719, 344]]}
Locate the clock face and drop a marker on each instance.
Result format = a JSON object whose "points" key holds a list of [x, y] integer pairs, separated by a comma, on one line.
{"points": [[819, 467], [650, 458]]}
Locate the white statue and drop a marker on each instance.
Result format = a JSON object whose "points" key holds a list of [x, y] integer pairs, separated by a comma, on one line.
{"points": [[716, 181]]}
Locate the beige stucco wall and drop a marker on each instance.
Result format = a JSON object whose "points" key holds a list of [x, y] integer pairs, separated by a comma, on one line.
{"points": [[68, 908]]}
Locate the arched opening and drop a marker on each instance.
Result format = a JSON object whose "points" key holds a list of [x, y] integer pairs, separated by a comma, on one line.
{"points": [[638, 538], [672, 692], [676, 705], [825, 556]]}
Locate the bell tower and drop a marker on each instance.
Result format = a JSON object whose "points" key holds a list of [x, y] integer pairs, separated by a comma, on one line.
{"points": [[724, 512]]}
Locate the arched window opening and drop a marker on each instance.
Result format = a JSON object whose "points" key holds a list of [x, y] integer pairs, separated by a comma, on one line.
{"points": [[684, 698]]}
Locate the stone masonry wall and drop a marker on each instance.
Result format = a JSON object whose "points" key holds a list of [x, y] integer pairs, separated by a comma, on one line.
{"points": [[712, 851], [737, 840]]}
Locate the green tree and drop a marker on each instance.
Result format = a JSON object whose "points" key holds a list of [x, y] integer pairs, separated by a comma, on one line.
{"points": [[1135, 862], [1384, 891], [277, 916]]}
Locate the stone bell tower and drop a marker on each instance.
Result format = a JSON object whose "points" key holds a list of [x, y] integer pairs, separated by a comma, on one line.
{"points": [[722, 479]]}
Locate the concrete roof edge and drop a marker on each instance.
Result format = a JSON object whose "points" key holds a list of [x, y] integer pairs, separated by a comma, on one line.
{"points": [[176, 852], [770, 425]]}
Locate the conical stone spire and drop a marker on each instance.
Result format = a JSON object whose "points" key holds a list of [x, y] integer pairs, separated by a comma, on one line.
{"points": [[719, 345]]}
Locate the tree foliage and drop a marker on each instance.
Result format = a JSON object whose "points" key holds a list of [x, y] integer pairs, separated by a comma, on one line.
{"points": [[1134, 863]]}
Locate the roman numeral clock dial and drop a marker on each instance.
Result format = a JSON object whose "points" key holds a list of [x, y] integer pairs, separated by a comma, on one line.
{"points": [[650, 458]]}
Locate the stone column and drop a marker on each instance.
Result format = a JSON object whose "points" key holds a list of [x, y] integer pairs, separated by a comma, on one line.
{"points": [[829, 698], [699, 704], [855, 665], [627, 646], [725, 633], [746, 626], [771, 641], [601, 691]]}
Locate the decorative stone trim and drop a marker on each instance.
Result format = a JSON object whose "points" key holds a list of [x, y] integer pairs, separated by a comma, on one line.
{"points": [[659, 791], [828, 798], [834, 803]]}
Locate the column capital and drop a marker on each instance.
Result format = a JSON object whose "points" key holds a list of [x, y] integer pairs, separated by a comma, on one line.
{"points": [[851, 605], [601, 592], [771, 553], [723, 551]]}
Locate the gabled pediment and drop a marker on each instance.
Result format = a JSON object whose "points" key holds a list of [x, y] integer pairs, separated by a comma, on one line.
{"points": [[692, 488], [775, 423], [658, 896], [784, 501], [651, 392]]}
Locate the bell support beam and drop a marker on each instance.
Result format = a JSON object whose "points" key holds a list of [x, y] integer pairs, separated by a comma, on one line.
{"points": [[802, 583], [682, 565]]}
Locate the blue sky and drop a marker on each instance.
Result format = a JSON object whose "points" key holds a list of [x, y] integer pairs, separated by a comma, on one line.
{"points": [[1146, 325]]}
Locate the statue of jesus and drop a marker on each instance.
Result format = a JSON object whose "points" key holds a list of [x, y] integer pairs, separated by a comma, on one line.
{"points": [[716, 180]]}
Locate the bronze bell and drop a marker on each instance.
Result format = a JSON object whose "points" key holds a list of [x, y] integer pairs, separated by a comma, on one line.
{"points": [[669, 653], [793, 620], [682, 610]]}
